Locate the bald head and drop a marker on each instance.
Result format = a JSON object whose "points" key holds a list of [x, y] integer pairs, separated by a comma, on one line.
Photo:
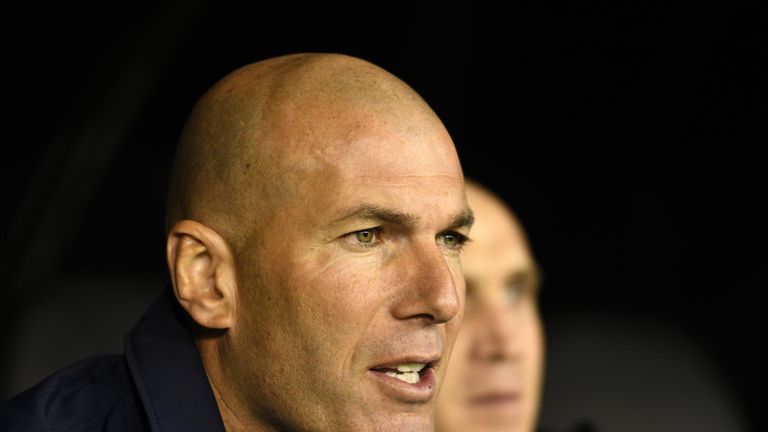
{"points": [[252, 138], [500, 225]]}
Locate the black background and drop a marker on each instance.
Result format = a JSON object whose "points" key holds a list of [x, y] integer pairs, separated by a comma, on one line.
{"points": [[625, 134]]}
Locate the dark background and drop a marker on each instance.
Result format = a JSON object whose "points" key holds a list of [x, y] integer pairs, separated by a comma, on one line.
{"points": [[625, 134]]}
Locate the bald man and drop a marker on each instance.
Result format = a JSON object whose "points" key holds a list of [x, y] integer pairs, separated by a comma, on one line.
{"points": [[315, 218], [494, 379]]}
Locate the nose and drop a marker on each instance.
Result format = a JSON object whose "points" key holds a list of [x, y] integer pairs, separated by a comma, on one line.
{"points": [[495, 338], [429, 290]]}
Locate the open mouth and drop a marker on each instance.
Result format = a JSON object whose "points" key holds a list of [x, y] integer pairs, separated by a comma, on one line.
{"points": [[409, 380], [411, 373]]}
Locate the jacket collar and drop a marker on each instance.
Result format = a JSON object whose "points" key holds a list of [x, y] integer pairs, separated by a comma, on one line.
{"points": [[168, 372]]}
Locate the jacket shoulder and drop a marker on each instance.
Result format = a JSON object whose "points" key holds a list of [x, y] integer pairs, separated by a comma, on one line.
{"points": [[94, 394]]}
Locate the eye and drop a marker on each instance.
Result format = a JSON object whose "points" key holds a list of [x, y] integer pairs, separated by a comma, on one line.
{"points": [[515, 292], [452, 240], [365, 236], [469, 296]]}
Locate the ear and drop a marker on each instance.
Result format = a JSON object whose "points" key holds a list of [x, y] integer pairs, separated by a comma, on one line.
{"points": [[202, 269]]}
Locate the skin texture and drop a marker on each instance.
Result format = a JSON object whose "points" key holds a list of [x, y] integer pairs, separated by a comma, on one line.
{"points": [[494, 379], [316, 216]]}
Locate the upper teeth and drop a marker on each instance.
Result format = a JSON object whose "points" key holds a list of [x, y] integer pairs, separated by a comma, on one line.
{"points": [[410, 367], [408, 372]]}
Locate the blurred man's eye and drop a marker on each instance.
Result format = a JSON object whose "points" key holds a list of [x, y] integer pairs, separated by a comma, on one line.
{"points": [[515, 292], [469, 297]]}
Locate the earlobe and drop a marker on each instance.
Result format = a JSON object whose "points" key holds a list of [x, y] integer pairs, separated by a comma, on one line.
{"points": [[202, 271]]}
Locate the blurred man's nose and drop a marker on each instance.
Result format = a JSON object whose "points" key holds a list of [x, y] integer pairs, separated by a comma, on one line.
{"points": [[495, 337]]}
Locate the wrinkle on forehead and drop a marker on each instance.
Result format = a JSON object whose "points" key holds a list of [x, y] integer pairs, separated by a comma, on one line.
{"points": [[405, 179], [373, 162]]}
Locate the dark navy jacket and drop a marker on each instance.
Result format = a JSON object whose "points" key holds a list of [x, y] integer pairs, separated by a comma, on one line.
{"points": [[159, 384]]}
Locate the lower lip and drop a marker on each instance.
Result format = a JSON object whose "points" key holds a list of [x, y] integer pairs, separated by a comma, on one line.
{"points": [[420, 392], [508, 403]]}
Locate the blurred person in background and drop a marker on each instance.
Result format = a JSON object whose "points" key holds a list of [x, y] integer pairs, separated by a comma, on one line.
{"points": [[494, 378]]}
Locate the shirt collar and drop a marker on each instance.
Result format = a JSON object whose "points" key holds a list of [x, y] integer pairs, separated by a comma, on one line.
{"points": [[168, 372]]}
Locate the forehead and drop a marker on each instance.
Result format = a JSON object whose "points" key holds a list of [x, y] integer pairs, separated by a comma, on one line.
{"points": [[364, 156], [498, 242], [362, 139], [395, 158]]}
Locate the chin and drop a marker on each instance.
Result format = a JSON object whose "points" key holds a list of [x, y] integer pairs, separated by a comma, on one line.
{"points": [[406, 422], [505, 425], [410, 422]]}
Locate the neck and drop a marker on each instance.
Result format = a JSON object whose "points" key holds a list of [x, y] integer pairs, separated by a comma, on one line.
{"points": [[232, 412]]}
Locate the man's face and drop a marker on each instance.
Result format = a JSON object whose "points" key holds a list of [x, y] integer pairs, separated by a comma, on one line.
{"points": [[494, 379], [350, 293]]}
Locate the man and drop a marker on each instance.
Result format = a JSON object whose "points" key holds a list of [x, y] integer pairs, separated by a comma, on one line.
{"points": [[494, 379], [316, 214]]}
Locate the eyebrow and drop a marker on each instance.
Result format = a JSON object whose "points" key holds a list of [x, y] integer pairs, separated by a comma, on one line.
{"points": [[531, 275], [464, 219], [373, 212]]}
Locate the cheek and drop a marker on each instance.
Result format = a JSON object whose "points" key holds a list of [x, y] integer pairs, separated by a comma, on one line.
{"points": [[450, 403], [460, 355], [533, 339], [337, 298], [456, 334], [332, 287]]}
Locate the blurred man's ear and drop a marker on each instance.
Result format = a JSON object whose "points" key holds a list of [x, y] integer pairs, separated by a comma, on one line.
{"points": [[202, 271]]}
